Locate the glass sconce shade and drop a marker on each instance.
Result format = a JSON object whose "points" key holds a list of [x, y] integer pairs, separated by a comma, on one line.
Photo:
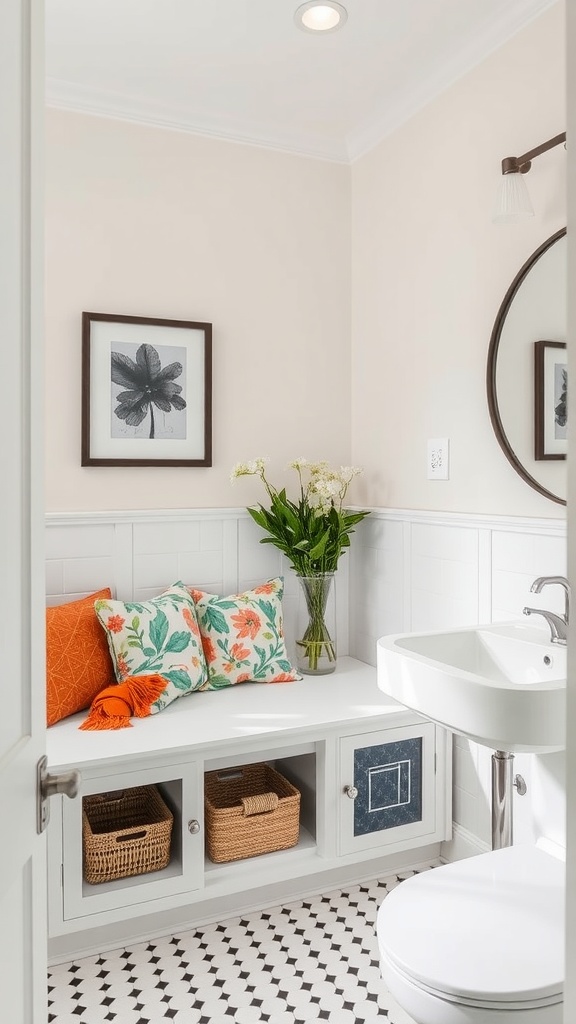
{"points": [[513, 202]]}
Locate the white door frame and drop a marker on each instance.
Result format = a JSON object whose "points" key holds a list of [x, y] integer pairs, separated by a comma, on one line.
{"points": [[570, 983], [23, 931]]}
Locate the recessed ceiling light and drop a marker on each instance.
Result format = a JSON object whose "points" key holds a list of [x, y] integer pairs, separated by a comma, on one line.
{"points": [[320, 16]]}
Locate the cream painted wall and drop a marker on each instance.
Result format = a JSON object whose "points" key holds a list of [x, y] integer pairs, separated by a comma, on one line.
{"points": [[150, 222], [430, 270]]}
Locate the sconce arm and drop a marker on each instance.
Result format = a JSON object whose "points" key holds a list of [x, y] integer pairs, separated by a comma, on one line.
{"points": [[522, 164]]}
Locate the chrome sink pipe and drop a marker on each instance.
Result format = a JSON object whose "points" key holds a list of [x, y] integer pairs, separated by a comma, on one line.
{"points": [[503, 778], [558, 623]]}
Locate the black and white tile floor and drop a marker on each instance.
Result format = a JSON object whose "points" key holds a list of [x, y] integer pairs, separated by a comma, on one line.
{"points": [[314, 960]]}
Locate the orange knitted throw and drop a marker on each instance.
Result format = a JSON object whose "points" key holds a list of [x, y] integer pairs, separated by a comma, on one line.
{"points": [[114, 706]]}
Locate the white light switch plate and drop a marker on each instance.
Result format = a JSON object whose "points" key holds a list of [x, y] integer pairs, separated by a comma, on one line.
{"points": [[438, 458]]}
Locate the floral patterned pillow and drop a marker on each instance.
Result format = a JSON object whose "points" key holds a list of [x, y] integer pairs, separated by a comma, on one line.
{"points": [[157, 636], [243, 638]]}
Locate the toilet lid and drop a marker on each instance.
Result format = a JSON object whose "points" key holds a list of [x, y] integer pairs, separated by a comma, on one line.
{"points": [[486, 929]]}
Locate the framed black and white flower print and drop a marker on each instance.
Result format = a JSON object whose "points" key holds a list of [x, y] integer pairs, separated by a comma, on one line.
{"points": [[146, 391]]}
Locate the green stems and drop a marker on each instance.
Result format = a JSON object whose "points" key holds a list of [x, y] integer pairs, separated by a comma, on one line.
{"points": [[316, 649]]}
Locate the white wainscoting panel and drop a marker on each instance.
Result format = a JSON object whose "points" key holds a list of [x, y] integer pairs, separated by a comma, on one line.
{"points": [[140, 554], [80, 558], [517, 559], [412, 570], [443, 576], [379, 587]]}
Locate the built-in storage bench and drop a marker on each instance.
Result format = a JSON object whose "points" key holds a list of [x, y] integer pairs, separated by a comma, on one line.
{"points": [[375, 783]]}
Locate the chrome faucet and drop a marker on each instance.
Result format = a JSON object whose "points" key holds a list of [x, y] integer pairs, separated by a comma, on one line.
{"points": [[558, 623]]}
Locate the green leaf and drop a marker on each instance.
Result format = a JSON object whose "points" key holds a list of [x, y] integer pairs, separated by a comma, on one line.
{"points": [[351, 518], [149, 652], [136, 643], [286, 548], [227, 604], [215, 620], [283, 508], [258, 516], [318, 550], [158, 630], [268, 636], [219, 682], [135, 623], [180, 679], [284, 665], [178, 642], [268, 610]]}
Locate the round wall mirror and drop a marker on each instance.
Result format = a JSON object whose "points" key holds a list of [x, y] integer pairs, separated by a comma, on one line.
{"points": [[527, 375]]}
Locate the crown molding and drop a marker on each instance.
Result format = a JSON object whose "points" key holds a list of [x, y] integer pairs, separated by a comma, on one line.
{"points": [[69, 96], [514, 16]]}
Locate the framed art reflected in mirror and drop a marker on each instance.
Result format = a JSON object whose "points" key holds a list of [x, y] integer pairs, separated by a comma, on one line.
{"points": [[550, 400]]}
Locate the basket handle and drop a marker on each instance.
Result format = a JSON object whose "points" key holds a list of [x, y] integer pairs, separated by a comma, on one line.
{"points": [[131, 835], [260, 804], [232, 773], [113, 797]]}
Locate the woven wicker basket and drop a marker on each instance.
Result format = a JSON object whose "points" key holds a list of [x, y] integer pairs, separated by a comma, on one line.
{"points": [[249, 810], [125, 833]]}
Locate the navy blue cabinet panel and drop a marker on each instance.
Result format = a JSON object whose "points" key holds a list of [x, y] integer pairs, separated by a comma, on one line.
{"points": [[394, 786], [388, 777]]}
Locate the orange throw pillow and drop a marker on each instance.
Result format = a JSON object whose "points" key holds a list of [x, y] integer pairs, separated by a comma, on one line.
{"points": [[78, 662]]}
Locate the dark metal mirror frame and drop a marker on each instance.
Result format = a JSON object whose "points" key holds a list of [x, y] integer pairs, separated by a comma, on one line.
{"points": [[491, 370]]}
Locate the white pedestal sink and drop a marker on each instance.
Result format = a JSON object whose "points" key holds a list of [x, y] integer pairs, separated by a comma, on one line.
{"points": [[503, 685]]}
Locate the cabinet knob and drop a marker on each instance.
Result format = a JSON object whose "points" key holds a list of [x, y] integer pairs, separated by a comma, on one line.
{"points": [[193, 826], [351, 792]]}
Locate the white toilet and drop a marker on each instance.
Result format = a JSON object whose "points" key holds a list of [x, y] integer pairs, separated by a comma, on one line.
{"points": [[480, 941]]}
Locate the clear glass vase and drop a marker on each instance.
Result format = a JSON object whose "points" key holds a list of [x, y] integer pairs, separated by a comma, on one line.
{"points": [[316, 625]]}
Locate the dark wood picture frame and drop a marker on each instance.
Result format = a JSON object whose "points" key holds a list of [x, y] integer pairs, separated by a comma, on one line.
{"points": [[550, 400], [135, 433]]}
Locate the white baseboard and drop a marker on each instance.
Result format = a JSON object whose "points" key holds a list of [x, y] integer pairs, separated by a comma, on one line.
{"points": [[91, 942], [463, 844]]}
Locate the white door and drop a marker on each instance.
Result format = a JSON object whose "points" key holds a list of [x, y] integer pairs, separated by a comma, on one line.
{"points": [[22, 708]]}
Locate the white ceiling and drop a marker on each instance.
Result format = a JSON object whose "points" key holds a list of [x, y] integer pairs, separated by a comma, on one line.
{"points": [[241, 69]]}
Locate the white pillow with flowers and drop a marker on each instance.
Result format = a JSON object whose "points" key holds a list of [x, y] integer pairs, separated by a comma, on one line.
{"points": [[160, 636], [243, 636]]}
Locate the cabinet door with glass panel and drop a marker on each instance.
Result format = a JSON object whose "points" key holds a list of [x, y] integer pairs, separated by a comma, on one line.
{"points": [[99, 879]]}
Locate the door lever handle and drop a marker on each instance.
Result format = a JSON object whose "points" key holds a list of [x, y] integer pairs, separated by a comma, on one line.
{"points": [[50, 784]]}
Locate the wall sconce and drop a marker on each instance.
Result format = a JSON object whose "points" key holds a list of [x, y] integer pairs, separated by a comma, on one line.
{"points": [[514, 199]]}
